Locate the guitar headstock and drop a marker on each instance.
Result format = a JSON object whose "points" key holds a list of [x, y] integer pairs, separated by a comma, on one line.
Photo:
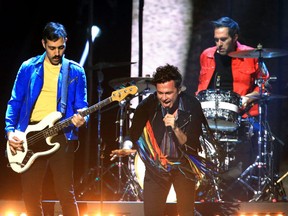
{"points": [[122, 93]]}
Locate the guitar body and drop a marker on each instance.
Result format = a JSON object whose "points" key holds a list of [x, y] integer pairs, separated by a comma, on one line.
{"points": [[34, 147]]}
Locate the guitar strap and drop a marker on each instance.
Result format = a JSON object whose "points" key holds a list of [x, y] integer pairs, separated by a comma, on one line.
{"points": [[64, 89]]}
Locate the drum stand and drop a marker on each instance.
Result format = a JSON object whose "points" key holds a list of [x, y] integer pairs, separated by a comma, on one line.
{"points": [[93, 180], [131, 187], [259, 176]]}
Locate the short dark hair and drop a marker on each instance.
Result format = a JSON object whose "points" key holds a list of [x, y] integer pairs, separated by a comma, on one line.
{"points": [[227, 22], [167, 73], [53, 31]]}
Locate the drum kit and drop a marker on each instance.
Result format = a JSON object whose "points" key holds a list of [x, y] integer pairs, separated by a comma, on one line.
{"points": [[223, 111], [224, 115]]}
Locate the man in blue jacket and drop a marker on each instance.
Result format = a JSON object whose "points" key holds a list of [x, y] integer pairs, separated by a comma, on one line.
{"points": [[47, 88]]}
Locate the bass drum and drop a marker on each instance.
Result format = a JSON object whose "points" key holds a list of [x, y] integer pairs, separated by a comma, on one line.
{"points": [[137, 168]]}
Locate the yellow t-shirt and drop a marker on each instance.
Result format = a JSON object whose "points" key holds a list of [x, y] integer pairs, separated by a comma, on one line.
{"points": [[47, 100]]}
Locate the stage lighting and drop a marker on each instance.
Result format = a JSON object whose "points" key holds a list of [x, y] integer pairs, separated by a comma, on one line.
{"points": [[95, 32]]}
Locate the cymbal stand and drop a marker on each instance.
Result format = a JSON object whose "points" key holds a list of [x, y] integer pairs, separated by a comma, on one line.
{"points": [[93, 180], [131, 187], [120, 141], [120, 165], [99, 139], [263, 164]]}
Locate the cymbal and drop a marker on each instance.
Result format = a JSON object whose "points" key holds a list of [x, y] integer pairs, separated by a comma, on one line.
{"points": [[269, 97], [103, 65], [259, 53], [143, 83]]}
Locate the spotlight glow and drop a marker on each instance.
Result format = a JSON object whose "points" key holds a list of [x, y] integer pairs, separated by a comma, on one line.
{"points": [[95, 31]]}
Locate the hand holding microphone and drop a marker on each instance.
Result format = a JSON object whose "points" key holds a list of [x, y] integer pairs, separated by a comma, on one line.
{"points": [[169, 120]]}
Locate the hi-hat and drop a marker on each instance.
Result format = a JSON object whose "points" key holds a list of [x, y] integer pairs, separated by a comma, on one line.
{"points": [[143, 83], [268, 97], [259, 53], [104, 65]]}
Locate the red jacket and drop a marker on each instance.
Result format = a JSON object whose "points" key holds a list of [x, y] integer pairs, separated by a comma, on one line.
{"points": [[244, 71]]}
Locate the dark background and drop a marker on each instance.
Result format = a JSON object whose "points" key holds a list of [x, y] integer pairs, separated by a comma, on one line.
{"points": [[261, 21]]}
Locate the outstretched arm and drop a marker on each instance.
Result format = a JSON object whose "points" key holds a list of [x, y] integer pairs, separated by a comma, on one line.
{"points": [[126, 150]]}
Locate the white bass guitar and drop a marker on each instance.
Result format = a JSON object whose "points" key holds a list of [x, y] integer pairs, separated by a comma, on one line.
{"points": [[47, 128]]}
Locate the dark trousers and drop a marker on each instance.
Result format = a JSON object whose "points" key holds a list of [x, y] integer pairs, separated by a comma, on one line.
{"points": [[61, 163], [156, 189]]}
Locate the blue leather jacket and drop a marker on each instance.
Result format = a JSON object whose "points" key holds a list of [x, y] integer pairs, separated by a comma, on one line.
{"points": [[27, 87]]}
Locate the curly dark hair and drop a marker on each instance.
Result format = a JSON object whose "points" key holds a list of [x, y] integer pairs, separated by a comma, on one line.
{"points": [[167, 73]]}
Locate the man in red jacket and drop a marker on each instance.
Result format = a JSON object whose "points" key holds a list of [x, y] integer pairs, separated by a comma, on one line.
{"points": [[227, 88]]}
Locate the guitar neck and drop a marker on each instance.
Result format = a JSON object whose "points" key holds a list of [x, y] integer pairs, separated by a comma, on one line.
{"points": [[115, 96], [66, 122]]}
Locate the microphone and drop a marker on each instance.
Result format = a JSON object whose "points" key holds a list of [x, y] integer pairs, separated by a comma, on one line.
{"points": [[169, 128]]}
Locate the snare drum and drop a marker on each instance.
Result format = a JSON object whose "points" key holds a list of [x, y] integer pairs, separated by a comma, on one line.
{"points": [[221, 108]]}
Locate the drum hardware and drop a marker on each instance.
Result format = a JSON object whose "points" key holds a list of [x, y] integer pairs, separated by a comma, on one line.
{"points": [[144, 84], [259, 176], [227, 141], [99, 171], [95, 175], [91, 180], [209, 189], [127, 186], [120, 139], [120, 184], [267, 97], [131, 188]]}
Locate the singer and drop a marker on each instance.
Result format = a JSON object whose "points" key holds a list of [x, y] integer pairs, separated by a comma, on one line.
{"points": [[165, 130]]}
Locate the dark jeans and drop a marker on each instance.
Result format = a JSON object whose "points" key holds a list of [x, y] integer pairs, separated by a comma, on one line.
{"points": [[156, 189], [61, 163]]}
